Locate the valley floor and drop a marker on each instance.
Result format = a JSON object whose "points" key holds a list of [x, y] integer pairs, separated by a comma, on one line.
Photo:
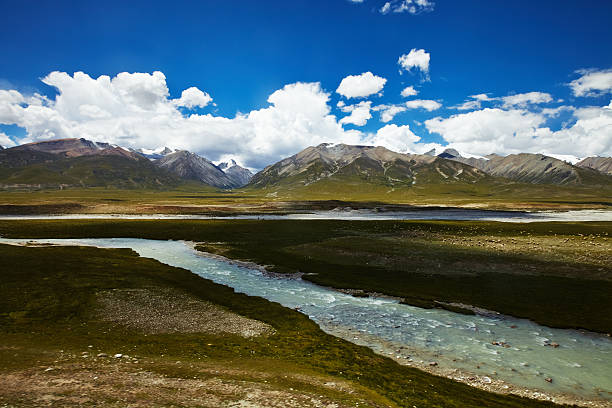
{"points": [[66, 312], [195, 200]]}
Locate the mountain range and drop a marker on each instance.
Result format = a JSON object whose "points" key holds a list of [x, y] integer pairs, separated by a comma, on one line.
{"points": [[530, 168], [190, 166], [378, 165], [83, 163], [335, 167], [601, 164], [373, 165]]}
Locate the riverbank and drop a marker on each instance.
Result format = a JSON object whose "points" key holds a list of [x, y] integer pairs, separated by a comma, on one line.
{"points": [[56, 350], [557, 274], [429, 361]]}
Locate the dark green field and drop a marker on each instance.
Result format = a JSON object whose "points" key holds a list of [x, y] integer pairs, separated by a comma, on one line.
{"points": [[557, 274], [50, 334]]}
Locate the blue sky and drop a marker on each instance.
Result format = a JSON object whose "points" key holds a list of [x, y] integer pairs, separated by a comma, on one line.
{"points": [[241, 52]]}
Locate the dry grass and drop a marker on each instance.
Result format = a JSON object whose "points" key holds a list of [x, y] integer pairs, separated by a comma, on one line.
{"points": [[166, 310], [110, 382]]}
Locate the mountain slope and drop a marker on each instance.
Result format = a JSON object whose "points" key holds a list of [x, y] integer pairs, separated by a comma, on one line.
{"points": [[364, 164], [531, 168], [238, 174], [601, 164], [153, 154], [78, 163], [190, 166], [88, 171], [74, 148]]}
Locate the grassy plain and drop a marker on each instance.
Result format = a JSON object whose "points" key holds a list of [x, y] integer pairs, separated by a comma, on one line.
{"points": [[558, 274], [52, 336], [198, 199]]}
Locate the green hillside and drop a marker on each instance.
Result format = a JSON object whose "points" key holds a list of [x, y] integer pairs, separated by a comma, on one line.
{"points": [[44, 170]]}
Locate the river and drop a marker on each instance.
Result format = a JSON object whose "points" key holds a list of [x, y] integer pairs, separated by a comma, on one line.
{"points": [[460, 345]]}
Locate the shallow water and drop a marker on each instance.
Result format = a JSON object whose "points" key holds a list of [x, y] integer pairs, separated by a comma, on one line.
{"points": [[457, 214], [580, 366]]}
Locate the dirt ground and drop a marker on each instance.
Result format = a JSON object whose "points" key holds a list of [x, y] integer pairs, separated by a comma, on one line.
{"points": [[164, 310], [126, 382]]}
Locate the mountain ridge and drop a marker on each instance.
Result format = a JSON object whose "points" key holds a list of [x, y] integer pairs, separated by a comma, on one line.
{"points": [[377, 165], [191, 166], [601, 164], [534, 168], [83, 162]]}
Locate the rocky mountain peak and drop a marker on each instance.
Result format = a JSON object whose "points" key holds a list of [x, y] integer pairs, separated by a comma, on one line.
{"points": [[228, 164], [449, 154]]}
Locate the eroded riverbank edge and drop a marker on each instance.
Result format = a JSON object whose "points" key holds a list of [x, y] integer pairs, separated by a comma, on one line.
{"points": [[421, 361]]}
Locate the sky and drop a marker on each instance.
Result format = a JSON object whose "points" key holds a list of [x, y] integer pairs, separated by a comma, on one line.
{"points": [[258, 81]]}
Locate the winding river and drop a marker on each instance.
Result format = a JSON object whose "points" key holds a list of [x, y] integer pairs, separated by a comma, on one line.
{"points": [[525, 358]]}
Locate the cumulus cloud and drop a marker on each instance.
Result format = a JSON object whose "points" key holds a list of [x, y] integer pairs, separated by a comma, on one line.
{"points": [[426, 104], [192, 98], [481, 97], [516, 100], [361, 86], [360, 113], [11, 96], [407, 6], [409, 91], [507, 131], [388, 112], [525, 99], [592, 82], [400, 139], [134, 110], [415, 59], [6, 141], [468, 105]]}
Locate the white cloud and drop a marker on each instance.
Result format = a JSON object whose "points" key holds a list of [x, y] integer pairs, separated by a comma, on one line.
{"points": [[426, 104], [409, 91], [134, 110], [356, 1], [6, 141], [589, 136], [417, 59], [525, 99], [193, 97], [475, 102], [592, 83], [555, 112], [11, 96], [488, 130], [388, 112], [361, 86], [407, 6], [521, 100], [399, 139], [360, 114], [468, 105], [396, 138], [495, 130], [481, 97]]}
